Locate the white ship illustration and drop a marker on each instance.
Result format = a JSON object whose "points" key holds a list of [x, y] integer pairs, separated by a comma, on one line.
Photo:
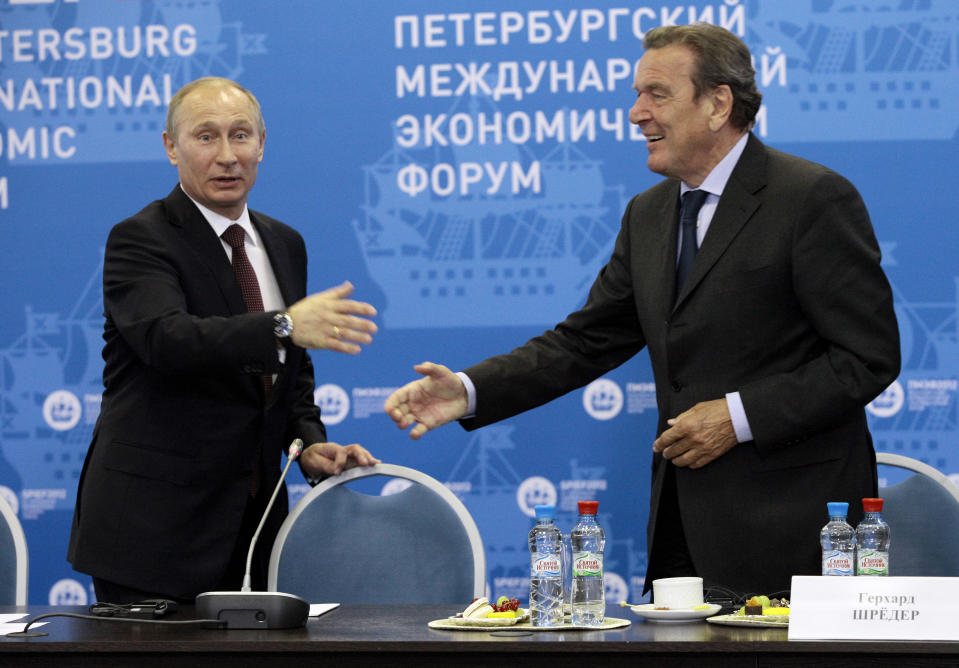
{"points": [[918, 421], [859, 70], [479, 259], [50, 388], [124, 131]]}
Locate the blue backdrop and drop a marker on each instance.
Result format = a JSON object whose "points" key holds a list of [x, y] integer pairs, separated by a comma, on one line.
{"points": [[465, 164]]}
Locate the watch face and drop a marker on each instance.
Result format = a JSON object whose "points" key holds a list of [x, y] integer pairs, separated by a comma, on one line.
{"points": [[282, 325]]}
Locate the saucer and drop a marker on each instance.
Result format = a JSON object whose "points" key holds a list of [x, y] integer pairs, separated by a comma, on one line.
{"points": [[650, 612]]}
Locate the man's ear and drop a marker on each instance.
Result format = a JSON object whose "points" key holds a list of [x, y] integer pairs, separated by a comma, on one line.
{"points": [[721, 101], [170, 147]]}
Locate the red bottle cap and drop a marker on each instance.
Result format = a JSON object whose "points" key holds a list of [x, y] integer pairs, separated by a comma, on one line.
{"points": [[588, 507], [872, 505]]}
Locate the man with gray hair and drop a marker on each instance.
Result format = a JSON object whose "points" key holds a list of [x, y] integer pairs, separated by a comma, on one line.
{"points": [[753, 279], [207, 379]]}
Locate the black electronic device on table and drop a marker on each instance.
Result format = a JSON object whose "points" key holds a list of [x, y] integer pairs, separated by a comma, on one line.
{"points": [[247, 609]]}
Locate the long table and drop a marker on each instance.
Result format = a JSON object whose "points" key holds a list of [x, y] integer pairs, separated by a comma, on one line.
{"points": [[398, 635]]}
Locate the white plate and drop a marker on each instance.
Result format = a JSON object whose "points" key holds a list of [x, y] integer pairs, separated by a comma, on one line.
{"points": [[781, 621], [650, 612], [489, 621], [521, 624]]}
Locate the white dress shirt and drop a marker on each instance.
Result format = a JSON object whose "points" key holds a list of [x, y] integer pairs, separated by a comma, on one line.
{"points": [[714, 184], [255, 251]]}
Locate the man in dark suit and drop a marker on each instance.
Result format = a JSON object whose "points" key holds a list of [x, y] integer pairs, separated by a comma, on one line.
{"points": [[207, 380], [766, 342]]}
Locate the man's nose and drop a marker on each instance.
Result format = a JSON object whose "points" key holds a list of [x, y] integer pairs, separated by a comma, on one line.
{"points": [[638, 112], [225, 153]]}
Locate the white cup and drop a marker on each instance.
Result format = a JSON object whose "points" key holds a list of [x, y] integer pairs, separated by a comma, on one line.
{"points": [[676, 593]]}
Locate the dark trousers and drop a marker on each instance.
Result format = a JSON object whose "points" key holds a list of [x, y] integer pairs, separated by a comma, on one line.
{"points": [[670, 556], [232, 580]]}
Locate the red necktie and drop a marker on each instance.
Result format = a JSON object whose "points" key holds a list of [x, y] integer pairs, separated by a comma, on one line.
{"points": [[250, 287], [245, 276]]}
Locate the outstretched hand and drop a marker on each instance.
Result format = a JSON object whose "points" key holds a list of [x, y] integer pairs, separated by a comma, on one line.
{"points": [[429, 402], [329, 320]]}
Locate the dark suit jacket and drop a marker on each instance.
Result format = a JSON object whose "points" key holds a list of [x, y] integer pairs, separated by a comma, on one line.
{"points": [[786, 303], [167, 476]]}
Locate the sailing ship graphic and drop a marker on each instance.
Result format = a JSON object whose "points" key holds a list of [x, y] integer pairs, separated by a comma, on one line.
{"points": [[865, 70], [480, 259], [919, 415], [875, 70], [116, 109], [50, 388]]}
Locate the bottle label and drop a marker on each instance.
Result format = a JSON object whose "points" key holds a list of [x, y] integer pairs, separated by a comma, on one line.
{"points": [[872, 562], [587, 563], [544, 565], [837, 563]]}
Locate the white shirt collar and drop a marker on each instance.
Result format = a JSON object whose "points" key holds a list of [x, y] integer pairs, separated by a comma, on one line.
{"points": [[715, 183], [219, 222]]}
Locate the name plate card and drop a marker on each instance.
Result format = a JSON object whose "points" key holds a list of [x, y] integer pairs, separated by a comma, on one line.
{"points": [[873, 608]]}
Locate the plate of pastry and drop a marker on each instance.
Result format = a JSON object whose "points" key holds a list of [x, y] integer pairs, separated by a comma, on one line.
{"points": [[504, 612]]}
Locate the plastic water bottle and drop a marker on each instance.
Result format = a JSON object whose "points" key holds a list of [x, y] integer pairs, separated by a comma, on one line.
{"points": [[588, 541], [567, 575], [546, 570], [838, 540], [872, 540]]}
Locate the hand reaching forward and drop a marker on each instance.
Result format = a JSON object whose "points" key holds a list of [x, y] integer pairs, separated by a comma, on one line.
{"points": [[322, 459], [429, 402], [698, 436], [329, 320]]}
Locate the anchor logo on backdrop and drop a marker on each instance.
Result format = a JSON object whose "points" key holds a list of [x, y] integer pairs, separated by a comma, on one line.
{"points": [[603, 399], [889, 402], [535, 491], [395, 486], [68, 592], [10, 497], [334, 403], [62, 410]]}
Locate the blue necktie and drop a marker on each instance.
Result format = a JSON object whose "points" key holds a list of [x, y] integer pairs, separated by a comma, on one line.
{"points": [[692, 201]]}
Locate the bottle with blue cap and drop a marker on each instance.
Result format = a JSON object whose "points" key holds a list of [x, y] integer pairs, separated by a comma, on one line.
{"points": [[838, 540], [546, 570]]}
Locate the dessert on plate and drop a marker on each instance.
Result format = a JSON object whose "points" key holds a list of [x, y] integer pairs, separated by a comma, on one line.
{"points": [[763, 605], [481, 608]]}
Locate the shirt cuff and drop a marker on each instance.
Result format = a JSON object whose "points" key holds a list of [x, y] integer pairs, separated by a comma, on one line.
{"points": [[470, 395], [738, 415]]}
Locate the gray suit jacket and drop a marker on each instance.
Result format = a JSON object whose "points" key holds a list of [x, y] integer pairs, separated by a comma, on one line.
{"points": [[167, 476], [787, 304]]}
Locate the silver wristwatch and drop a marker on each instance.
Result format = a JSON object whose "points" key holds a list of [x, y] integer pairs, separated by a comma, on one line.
{"points": [[282, 325]]}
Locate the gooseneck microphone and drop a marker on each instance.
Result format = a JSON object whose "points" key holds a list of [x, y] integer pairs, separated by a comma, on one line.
{"points": [[247, 609], [296, 447]]}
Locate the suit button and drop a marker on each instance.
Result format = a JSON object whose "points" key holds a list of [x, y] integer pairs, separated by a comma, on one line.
{"points": [[677, 386]]}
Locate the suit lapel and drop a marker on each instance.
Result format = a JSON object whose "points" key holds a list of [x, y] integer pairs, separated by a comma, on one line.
{"points": [[209, 251], [667, 238], [737, 204], [278, 253]]}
